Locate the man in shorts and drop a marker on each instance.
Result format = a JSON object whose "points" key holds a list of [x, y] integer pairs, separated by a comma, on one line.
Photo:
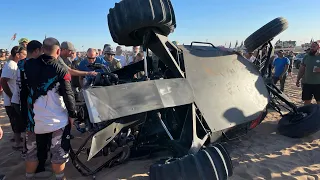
{"points": [[8, 82], [281, 65], [51, 105], [310, 72]]}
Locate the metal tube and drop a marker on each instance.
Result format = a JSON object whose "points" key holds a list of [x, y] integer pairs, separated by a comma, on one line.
{"points": [[145, 63], [164, 126]]}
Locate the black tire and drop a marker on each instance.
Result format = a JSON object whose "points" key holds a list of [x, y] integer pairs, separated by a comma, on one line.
{"points": [[211, 163], [298, 126], [265, 33], [129, 19]]}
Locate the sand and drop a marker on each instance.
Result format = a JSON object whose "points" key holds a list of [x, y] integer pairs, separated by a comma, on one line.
{"points": [[262, 154]]}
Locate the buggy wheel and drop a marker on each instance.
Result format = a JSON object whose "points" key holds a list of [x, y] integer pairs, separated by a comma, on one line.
{"points": [[211, 163], [305, 123], [128, 20], [265, 33]]}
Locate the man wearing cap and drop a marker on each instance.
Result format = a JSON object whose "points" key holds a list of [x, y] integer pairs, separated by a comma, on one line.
{"points": [[310, 72], [23, 42], [281, 65], [51, 109], [114, 64], [66, 51], [90, 59]]}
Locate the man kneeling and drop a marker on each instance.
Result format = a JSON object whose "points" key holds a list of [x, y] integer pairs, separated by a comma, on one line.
{"points": [[51, 107]]}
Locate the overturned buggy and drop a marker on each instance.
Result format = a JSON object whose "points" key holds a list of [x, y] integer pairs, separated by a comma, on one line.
{"points": [[191, 98]]}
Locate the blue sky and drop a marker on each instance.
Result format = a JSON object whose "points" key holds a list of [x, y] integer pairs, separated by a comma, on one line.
{"points": [[84, 22]]}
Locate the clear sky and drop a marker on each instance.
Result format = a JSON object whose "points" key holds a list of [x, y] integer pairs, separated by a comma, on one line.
{"points": [[84, 22]]}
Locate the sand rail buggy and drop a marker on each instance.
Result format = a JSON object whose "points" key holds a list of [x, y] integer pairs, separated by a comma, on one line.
{"points": [[191, 98]]}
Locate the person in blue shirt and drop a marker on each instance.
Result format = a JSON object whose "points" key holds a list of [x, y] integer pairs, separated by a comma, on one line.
{"points": [[83, 66], [281, 66]]}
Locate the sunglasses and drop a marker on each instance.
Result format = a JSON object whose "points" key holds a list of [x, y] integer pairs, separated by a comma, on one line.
{"points": [[91, 57], [109, 54]]}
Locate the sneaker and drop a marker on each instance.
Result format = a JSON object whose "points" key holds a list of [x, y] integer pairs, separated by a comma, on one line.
{"points": [[2, 177]]}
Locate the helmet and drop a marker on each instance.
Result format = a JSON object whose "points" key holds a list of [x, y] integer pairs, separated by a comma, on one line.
{"points": [[23, 40]]}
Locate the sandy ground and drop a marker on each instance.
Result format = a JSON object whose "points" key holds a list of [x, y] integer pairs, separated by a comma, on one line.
{"points": [[262, 154]]}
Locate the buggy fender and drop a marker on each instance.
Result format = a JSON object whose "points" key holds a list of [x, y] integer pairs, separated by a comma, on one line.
{"points": [[228, 89], [112, 102]]}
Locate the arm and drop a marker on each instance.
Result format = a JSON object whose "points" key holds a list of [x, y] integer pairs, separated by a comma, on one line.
{"points": [[285, 70], [5, 86], [301, 72], [67, 94], [1, 133]]}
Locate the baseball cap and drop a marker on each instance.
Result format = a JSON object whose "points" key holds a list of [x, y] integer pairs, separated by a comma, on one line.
{"points": [[67, 45], [3, 51], [23, 40], [110, 50]]}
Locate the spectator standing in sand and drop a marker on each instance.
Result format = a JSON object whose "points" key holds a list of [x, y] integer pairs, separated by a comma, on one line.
{"points": [[281, 65], [290, 56], [33, 52], [23, 42], [119, 55], [52, 106], [8, 82], [310, 72], [114, 64]]}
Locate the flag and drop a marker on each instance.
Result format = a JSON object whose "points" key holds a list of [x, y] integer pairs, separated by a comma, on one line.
{"points": [[241, 44], [14, 37], [235, 46]]}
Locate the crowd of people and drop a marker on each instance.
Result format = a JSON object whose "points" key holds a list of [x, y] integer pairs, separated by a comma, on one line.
{"points": [[37, 87]]}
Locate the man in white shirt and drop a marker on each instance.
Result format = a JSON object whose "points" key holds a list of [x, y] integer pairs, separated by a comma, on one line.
{"points": [[120, 56], [8, 82], [33, 51], [135, 51]]}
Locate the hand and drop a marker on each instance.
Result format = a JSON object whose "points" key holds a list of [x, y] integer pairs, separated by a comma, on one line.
{"points": [[280, 77], [71, 121], [92, 73], [298, 83], [1, 133]]}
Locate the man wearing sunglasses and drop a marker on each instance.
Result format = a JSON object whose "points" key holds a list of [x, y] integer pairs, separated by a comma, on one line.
{"points": [[8, 82], [83, 66], [109, 57]]}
